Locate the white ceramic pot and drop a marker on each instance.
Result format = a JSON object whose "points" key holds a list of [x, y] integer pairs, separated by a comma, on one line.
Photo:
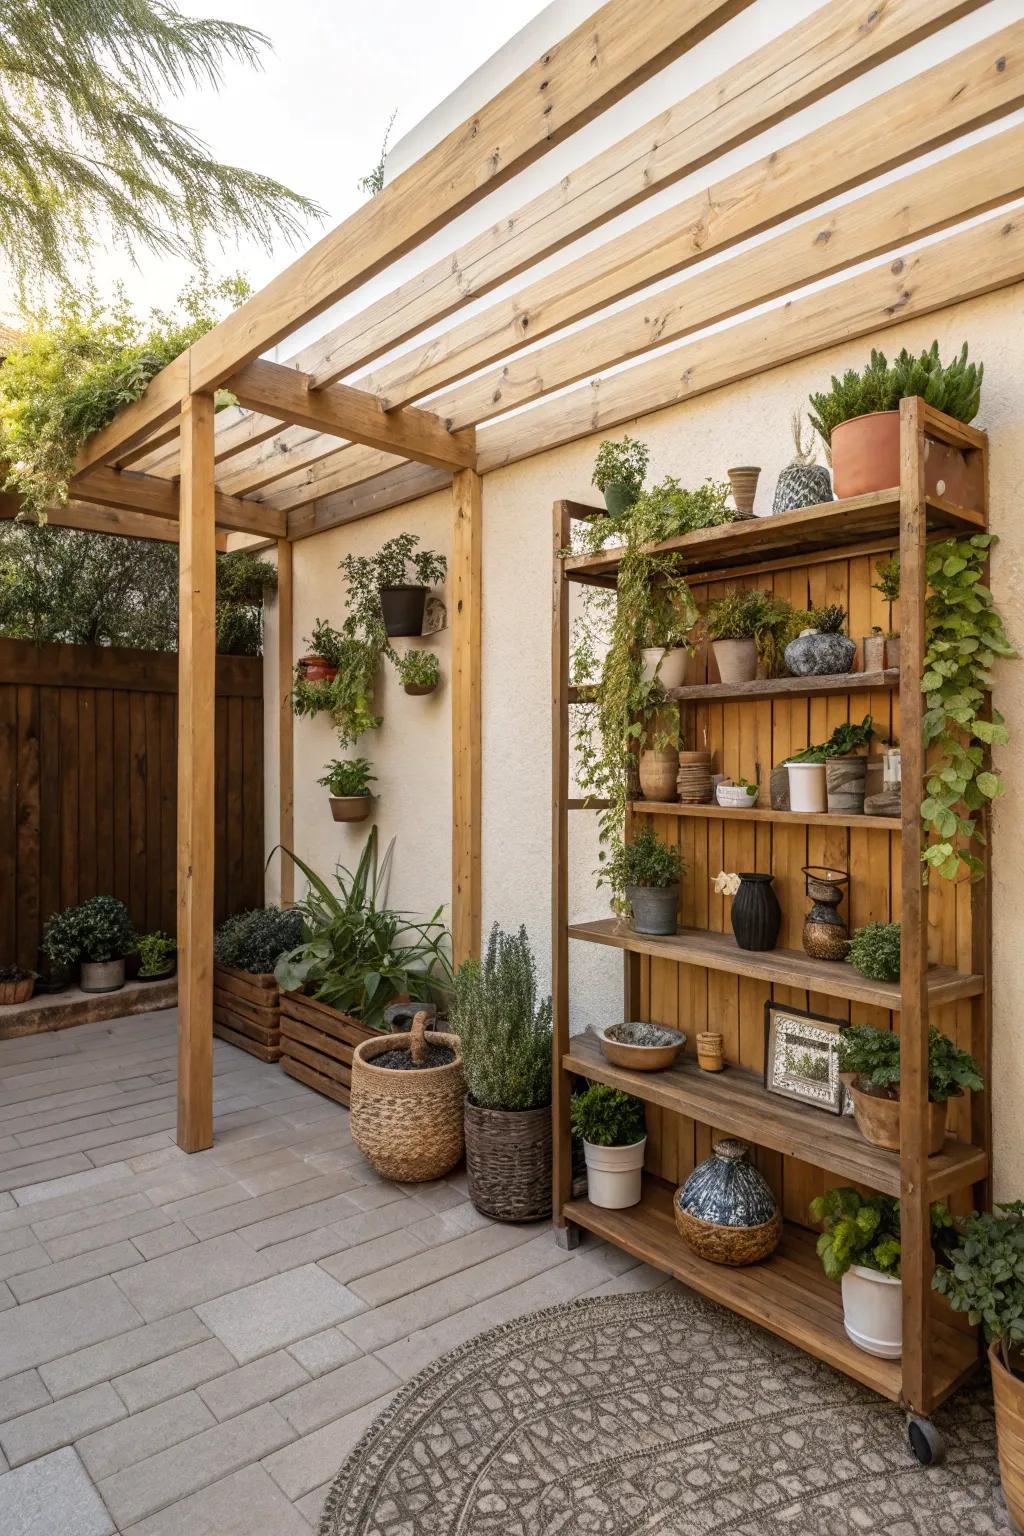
{"points": [[873, 1311], [672, 662], [614, 1174], [735, 797], [807, 791]]}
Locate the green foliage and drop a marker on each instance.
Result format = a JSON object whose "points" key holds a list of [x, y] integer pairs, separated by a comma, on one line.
{"points": [[983, 1274], [396, 564], [606, 1117], [759, 616], [505, 1033], [845, 740], [644, 861], [359, 954], [964, 635], [77, 367], [954, 388], [866, 1230], [888, 583], [254, 941], [98, 929], [419, 669], [349, 776], [243, 577], [15, 973], [830, 620], [373, 183], [155, 951], [623, 463], [873, 1056], [89, 154], [348, 696], [875, 951]]}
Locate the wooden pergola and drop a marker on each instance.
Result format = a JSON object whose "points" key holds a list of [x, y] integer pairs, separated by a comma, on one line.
{"points": [[369, 416]]}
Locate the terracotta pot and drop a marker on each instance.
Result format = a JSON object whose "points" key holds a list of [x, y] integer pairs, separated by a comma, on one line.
{"points": [[872, 650], [350, 807], [744, 488], [892, 652], [736, 659], [693, 781], [1008, 1392], [640, 1058], [316, 670], [419, 690], [878, 1120], [658, 773], [866, 457]]}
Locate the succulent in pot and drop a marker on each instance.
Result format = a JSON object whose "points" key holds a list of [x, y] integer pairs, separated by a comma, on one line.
{"points": [[347, 781], [613, 1130], [156, 952], [98, 933], [17, 984], [647, 872], [821, 650], [737, 794], [419, 672], [619, 471], [869, 1059], [505, 1034]]}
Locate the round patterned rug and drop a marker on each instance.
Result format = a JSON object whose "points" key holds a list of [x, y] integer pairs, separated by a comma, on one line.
{"points": [[656, 1414]]}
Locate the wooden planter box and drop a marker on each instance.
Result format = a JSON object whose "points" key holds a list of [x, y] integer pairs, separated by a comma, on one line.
{"points": [[246, 1011], [317, 1044]]}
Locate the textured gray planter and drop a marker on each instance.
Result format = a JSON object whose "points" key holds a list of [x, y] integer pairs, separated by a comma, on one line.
{"points": [[654, 907], [802, 485], [102, 975], [846, 784], [814, 654]]}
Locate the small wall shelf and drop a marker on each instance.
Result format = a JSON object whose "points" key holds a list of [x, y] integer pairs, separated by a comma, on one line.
{"points": [[758, 813], [785, 687]]}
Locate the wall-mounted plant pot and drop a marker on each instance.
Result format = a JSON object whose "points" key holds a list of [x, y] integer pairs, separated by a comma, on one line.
{"points": [[350, 807], [866, 458], [659, 771], [807, 793], [873, 1311], [817, 654], [878, 1120], [403, 609], [618, 498], [655, 908], [614, 1174], [892, 652], [316, 669], [756, 914], [17, 991], [846, 785], [102, 975], [419, 690], [872, 650], [736, 660], [672, 662]]}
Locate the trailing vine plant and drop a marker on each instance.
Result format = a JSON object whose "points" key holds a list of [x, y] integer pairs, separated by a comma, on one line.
{"points": [[964, 635]]}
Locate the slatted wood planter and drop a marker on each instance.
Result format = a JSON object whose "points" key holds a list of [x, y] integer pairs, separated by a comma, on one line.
{"points": [[246, 1011], [317, 1043]]}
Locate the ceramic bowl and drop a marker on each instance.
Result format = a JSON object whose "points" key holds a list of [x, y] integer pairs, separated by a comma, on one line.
{"points": [[736, 797], [641, 1058]]}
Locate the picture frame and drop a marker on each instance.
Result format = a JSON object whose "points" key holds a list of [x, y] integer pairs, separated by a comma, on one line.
{"points": [[801, 1059]]}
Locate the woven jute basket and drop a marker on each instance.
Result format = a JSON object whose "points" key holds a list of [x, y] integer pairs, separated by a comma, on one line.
{"points": [[508, 1161], [728, 1245], [409, 1124]]}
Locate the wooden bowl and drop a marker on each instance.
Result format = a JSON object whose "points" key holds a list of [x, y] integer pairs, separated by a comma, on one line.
{"points": [[641, 1058]]}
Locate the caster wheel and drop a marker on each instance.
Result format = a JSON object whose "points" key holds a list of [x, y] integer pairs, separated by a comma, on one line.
{"points": [[926, 1442]]}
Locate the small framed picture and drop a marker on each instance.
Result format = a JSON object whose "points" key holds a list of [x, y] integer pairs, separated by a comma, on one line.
{"points": [[801, 1060]]}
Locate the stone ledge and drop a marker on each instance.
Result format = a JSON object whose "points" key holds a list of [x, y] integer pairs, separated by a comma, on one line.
{"points": [[63, 1010]]}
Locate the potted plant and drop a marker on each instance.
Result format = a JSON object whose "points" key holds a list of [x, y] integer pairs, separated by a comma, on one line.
{"points": [[746, 629], [340, 681], [320, 663], [16, 984], [380, 594], [407, 1098], [506, 1055], [156, 956], [869, 1059], [888, 583], [619, 471], [821, 650], [347, 781], [983, 1276], [872, 649], [810, 789], [647, 872], [665, 647], [860, 1246], [738, 794], [875, 951], [612, 1128], [98, 933], [254, 941], [658, 761], [419, 672], [803, 483], [858, 420]]}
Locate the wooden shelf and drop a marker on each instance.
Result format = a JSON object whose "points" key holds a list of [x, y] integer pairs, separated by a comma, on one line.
{"points": [[757, 813], [735, 1101], [828, 525], [785, 687], [786, 967], [788, 1294]]}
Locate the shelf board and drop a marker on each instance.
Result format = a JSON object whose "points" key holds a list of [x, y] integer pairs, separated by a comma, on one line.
{"points": [[788, 1294], [735, 1101], [757, 813], [786, 967], [785, 687], [828, 525]]}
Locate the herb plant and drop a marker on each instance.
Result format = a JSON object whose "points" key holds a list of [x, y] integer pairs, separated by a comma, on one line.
{"points": [[419, 669], [348, 776], [155, 951], [866, 1230], [348, 696], [875, 951], [755, 615], [606, 1117], [254, 941], [983, 1275], [954, 388], [845, 740], [828, 621], [505, 1032], [644, 861], [96, 930], [873, 1056], [396, 564], [624, 463]]}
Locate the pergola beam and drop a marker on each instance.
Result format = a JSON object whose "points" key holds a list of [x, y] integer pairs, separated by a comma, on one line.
{"points": [[85, 518], [159, 498]]}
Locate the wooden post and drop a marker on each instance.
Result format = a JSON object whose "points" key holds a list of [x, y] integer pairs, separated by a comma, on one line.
{"points": [[466, 715], [196, 715], [915, 1222], [286, 720], [566, 1236]]}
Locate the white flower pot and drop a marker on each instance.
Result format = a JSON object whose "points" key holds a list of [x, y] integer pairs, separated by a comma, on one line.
{"points": [[673, 665], [614, 1174], [735, 797], [807, 791], [873, 1311]]}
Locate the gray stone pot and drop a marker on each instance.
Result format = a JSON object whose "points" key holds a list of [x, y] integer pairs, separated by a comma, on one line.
{"points": [[102, 975], [654, 907], [846, 784], [813, 654]]}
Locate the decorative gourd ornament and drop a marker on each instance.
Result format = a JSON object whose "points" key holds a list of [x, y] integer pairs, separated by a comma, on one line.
{"points": [[803, 483]]}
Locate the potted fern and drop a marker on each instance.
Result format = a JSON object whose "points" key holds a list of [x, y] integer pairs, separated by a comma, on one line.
{"points": [[613, 1129], [506, 1055], [347, 781]]}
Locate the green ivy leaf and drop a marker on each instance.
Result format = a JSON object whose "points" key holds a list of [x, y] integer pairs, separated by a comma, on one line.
{"points": [[989, 785]]}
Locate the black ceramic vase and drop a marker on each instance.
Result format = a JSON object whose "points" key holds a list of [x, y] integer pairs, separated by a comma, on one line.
{"points": [[756, 914]]}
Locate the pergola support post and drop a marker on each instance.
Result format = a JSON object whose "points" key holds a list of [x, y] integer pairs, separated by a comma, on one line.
{"points": [[196, 723], [286, 720], [466, 714]]}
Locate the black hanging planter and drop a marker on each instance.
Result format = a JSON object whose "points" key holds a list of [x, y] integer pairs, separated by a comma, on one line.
{"points": [[756, 914], [403, 609]]}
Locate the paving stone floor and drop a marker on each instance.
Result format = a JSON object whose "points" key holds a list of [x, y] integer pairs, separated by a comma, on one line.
{"points": [[193, 1344]]}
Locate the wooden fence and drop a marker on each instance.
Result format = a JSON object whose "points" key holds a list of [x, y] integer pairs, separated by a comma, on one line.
{"points": [[88, 783]]}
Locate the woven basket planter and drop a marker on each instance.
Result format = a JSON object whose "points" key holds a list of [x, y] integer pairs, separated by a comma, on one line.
{"points": [[409, 1124], [508, 1161], [735, 1246]]}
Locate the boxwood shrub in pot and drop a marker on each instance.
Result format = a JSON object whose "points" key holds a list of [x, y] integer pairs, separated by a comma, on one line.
{"points": [[869, 1058], [254, 941], [612, 1127], [506, 1052], [97, 933], [647, 871]]}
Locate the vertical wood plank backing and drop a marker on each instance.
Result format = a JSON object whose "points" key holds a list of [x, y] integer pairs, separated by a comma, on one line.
{"points": [[561, 1135], [467, 533], [285, 718]]}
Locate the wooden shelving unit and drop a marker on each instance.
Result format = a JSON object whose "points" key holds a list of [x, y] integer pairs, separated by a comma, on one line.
{"points": [[700, 978]]}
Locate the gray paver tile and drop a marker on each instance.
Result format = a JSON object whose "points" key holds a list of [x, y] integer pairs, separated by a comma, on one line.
{"points": [[324, 1351], [367, 1258], [315, 1459], [57, 1325], [126, 1352], [143, 1434], [274, 1312], [174, 1374], [249, 1385], [431, 1264], [248, 1503], [70, 1272], [50, 1496], [47, 1429], [117, 1229], [20, 1260], [191, 1275], [50, 1187], [167, 1238], [21, 1393], [336, 1394]]}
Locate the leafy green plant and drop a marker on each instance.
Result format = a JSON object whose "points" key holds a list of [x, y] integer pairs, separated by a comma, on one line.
{"points": [[845, 740], [755, 615], [254, 941], [865, 1230], [964, 635], [155, 951], [873, 1056], [954, 388], [348, 776], [348, 696], [15, 973], [644, 861], [888, 583], [358, 954], [621, 463], [505, 1032], [419, 669], [875, 951], [983, 1275], [606, 1117], [373, 183], [828, 621], [397, 563], [96, 930], [242, 581]]}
